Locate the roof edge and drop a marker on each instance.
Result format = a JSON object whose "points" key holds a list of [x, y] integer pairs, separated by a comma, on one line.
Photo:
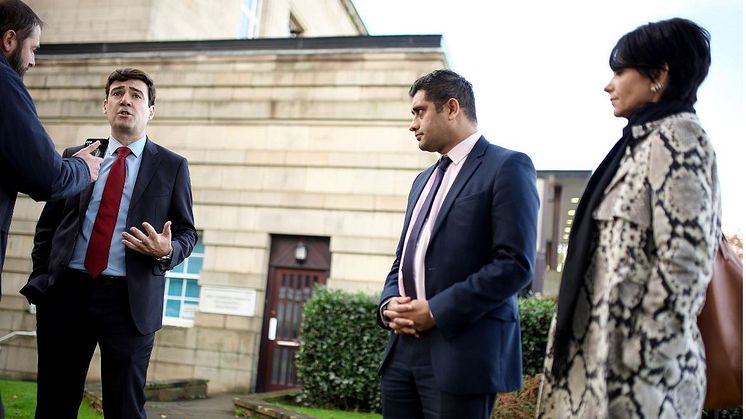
{"points": [[357, 20], [394, 42]]}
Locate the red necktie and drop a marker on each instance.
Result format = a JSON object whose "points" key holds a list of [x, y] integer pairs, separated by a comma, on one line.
{"points": [[97, 255]]}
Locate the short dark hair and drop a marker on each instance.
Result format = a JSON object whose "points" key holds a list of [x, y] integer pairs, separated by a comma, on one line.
{"points": [[441, 85], [124, 74], [679, 43], [17, 16]]}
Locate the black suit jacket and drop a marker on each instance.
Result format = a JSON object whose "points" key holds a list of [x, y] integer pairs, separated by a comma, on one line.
{"points": [[162, 193], [481, 253]]}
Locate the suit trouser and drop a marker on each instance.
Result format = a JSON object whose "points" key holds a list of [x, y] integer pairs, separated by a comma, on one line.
{"points": [[72, 317], [409, 389]]}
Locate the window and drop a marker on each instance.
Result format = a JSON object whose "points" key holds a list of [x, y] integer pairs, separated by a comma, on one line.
{"points": [[249, 19], [181, 298]]}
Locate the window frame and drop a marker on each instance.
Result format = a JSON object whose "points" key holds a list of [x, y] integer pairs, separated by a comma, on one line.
{"points": [[186, 277]]}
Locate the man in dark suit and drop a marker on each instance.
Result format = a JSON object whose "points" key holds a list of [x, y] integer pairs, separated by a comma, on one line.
{"points": [[466, 249], [94, 281]]}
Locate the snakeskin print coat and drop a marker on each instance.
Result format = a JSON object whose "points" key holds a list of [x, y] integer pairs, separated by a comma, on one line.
{"points": [[636, 351]]}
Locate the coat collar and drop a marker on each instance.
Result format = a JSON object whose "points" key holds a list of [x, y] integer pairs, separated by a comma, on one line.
{"points": [[642, 130]]}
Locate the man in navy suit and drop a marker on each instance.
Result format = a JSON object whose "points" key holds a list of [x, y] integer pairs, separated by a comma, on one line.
{"points": [[467, 247], [97, 286]]}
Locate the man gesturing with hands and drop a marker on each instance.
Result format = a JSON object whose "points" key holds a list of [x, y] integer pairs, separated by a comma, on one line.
{"points": [[99, 261]]}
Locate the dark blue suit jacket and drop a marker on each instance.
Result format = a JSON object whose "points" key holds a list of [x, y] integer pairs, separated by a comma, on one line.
{"points": [[29, 162], [162, 192], [481, 253]]}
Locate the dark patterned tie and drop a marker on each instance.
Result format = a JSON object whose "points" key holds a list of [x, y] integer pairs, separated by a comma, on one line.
{"points": [[97, 255], [407, 269]]}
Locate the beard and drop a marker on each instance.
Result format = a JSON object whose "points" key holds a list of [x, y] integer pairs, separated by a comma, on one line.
{"points": [[16, 61]]}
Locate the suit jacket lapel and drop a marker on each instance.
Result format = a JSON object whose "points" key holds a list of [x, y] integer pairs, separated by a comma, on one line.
{"points": [[148, 168], [473, 160]]}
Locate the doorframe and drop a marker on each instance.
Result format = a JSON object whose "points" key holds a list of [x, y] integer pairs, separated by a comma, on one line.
{"points": [[282, 256]]}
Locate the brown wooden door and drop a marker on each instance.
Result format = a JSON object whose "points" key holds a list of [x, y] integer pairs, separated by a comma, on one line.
{"points": [[288, 290]]}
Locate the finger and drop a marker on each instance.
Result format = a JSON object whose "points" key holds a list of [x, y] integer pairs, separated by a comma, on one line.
{"points": [[131, 239], [149, 230], [134, 247], [138, 234], [401, 308], [90, 149], [167, 230], [408, 331], [131, 245], [391, 314], [402, 322]]}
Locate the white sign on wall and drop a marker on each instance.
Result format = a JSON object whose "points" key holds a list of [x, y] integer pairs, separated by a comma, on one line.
{"points": [[224, 300]]}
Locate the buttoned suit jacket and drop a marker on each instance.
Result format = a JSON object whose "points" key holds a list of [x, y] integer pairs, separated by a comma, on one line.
{"points": [[162, 192], [481, 253]]}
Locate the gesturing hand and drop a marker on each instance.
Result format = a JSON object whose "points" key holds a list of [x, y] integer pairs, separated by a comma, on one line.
{"points": [[153, 243], [93, 162]]}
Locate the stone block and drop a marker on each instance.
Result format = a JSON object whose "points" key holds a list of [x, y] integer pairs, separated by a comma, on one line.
{"points": [[233, 279], [175, 355], [242, 323], [236, 238], [235, 259], [368, 287], [219, 340], [170, 371], [364, 245], [360, 267], [18, 359], [211, 320], [233, 361], [204, 358], [181, 337]]}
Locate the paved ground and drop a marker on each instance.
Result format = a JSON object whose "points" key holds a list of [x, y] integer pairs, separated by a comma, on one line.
{"points": [[217, 406]]}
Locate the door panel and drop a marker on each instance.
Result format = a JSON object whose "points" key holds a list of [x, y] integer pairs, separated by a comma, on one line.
{"points": [[289, 289]]}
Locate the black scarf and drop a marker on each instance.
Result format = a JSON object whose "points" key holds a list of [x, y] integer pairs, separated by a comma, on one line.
{"points": [[584, 232]]}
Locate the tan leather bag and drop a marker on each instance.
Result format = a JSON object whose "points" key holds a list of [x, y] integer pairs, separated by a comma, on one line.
{"points": [[720, 323]]}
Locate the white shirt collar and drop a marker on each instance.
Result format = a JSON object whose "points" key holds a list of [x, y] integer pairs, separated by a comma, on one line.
{"points": [[461, 150]]}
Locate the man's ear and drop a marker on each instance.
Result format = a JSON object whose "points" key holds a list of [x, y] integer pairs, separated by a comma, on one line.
{"points": [[9, 42], [453, 107]]}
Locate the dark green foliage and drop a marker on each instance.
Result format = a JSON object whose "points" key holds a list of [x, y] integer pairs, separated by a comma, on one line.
{"points": [[732, 413], [536, 317], [341, 348]]}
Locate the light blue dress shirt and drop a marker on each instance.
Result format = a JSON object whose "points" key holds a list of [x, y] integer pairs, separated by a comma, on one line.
{"points": [[116, 265]]}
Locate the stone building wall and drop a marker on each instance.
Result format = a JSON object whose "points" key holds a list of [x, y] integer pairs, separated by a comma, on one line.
{"points": [[282, 142]]}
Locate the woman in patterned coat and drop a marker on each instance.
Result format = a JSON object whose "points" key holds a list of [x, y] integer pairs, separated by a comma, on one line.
{"points": [[625, 342]]}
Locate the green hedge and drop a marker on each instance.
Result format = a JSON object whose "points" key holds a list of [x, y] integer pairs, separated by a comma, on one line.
{"points": [[536, 317], [341, 349]]}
